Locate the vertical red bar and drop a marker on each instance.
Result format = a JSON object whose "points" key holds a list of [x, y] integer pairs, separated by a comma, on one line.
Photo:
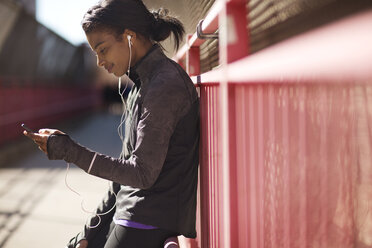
{"points": [[286, 194], [234, 194], [302, 140], [233, 46], [241, 123], [209, 168], [204, 154], [323, 168], [237, 33], [193, 61], [254, 241], [260, 162]]}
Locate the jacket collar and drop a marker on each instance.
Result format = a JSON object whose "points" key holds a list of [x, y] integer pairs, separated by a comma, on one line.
{"points": [[143, 70]]}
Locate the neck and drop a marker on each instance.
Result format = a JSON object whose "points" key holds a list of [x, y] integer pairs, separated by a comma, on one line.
{"points": [[142, 50]]}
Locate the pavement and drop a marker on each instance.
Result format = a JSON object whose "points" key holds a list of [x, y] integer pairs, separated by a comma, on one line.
{"points": [[36, 207]]}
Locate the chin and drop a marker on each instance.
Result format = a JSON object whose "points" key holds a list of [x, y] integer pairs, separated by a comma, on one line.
{"points": [[119, 74]]}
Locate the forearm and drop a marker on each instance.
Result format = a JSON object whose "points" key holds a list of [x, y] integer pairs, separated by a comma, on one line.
{"points": [[126, 172]]}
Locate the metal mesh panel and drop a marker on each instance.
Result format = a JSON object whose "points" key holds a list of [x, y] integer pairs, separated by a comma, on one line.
{"points": [[271, 21]]}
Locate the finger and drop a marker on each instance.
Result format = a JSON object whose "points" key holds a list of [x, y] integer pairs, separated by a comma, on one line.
{"points": [[39, 143], [50, 131], [41, 139], [37, 138], [44, 131], [43, 150], [30, 135], [47, 131], [60, 132]]}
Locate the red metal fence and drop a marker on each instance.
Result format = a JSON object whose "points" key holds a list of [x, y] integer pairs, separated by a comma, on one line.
{"points": [[286, 136]]}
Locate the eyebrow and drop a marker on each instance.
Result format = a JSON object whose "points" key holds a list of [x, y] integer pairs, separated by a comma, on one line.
{"points": [[98, 44]]}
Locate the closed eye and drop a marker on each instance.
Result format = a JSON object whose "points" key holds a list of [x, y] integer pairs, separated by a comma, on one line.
{"points": [[102, 51]]}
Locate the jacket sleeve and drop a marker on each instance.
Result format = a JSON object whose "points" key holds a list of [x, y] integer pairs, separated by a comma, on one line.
{"points": [[161, 109]]}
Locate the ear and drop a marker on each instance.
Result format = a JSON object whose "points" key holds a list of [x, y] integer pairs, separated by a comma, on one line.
{"points": [[132, 34]]}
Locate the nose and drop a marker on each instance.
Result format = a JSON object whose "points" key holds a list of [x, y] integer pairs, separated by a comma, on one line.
{"points": [[100, 61]]}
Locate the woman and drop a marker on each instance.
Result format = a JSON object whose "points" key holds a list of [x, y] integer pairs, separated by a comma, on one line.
{"points": [[155, 178]]}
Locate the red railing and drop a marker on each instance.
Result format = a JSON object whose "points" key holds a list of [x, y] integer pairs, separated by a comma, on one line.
{"points": [[40, 105], [286, 136]]}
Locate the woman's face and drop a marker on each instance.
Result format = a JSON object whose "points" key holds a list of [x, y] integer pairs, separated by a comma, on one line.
{"points": [[113, 55]]}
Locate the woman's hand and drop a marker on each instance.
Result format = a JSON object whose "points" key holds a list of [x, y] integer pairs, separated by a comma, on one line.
{"points": [[41, 137]]}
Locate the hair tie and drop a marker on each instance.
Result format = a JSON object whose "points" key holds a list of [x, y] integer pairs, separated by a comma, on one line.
{"points": [[160, 14]]}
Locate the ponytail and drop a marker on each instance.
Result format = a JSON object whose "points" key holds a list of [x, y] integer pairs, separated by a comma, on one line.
{"points": [[164, 25], [118, 15]]}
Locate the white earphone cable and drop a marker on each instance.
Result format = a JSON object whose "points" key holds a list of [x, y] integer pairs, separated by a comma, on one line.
{"points": [[82, 200], [121, 93], [121, 135]]}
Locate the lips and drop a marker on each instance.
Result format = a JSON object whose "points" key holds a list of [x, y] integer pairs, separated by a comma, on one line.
{"points": [[109, 68]]}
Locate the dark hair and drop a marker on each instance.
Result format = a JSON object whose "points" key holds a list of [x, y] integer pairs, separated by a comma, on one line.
{"points": [[118, 15]]}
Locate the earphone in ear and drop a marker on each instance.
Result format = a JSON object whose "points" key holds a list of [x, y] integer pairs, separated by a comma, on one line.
{"points": [[129, 37]]}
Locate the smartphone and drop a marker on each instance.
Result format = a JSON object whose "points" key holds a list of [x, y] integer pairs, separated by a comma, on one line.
{"points": [[27, 128]]}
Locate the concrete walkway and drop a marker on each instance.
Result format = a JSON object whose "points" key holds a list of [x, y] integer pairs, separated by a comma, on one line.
{"points": [[36, 208]]}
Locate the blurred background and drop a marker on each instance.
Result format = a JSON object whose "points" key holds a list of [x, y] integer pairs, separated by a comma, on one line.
{"points": [[286, 113]]}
